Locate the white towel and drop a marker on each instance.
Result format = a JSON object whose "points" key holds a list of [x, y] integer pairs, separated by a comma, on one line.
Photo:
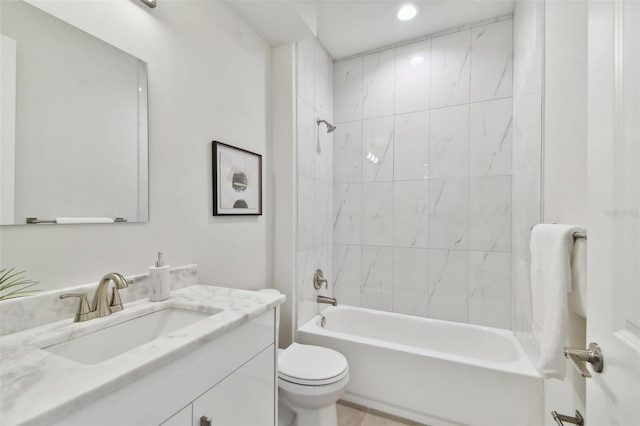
{"points": [[551, 252], [84, 220], [578, 295]]}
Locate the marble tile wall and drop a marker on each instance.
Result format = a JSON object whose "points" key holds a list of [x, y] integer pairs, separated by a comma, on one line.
{"points": [[422, 185], [315, 174]]}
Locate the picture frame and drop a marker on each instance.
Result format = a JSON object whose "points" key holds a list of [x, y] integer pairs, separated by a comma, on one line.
{"points": [[237, 181]]}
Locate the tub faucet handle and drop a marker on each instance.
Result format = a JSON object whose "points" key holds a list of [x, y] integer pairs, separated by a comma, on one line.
{"points": [[319, 279]]}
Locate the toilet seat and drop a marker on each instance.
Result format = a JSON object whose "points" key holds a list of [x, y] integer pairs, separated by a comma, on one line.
{"points": [[311, 365]]}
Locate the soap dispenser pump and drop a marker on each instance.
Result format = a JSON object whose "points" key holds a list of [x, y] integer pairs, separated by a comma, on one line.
{"points": [[159, 280]]}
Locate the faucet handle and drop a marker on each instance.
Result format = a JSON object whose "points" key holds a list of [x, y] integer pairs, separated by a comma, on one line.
{"points": [[319, 279], [116, 302], [83, 311]]}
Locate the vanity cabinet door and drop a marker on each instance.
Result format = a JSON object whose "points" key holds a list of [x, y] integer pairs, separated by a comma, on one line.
{"points": [[247, 397], [181, 418]]}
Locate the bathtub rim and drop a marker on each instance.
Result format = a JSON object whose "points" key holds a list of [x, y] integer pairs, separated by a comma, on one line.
{"points": [[522, 366]]}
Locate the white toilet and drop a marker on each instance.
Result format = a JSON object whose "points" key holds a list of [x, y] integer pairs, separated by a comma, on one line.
{"points": [[310, 380]]}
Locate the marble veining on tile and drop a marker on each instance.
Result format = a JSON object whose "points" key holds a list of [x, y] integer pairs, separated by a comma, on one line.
{"points": [[378, 84], [377, 213], [306, 213], [490, 138], [410, 281], [377, 149], [412, 74], [347, 206], [377, 277], [346, 261], [448, 221], [449, 142], [305, 268], [450, 69], [491, 61], [490, 213], [347, 153], [347, 90], [411, 214], [490, 289], [448, 298], [411, 146]]}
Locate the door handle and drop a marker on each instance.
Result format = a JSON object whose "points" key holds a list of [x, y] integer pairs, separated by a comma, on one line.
{"points": [[579, 357], [559, 418]]}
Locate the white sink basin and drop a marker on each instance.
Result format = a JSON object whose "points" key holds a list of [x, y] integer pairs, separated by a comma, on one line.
{"points": [[113, 340]]}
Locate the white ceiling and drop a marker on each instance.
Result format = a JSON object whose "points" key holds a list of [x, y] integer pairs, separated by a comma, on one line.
{"points": [[350, 27]]}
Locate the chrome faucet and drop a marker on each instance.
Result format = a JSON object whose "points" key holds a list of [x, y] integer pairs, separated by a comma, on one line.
{"points": [[328, 300], [102, 305]]}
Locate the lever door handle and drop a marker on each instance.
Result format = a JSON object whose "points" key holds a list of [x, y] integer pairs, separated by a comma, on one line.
{"points": [[579, 357], [559, 418]]}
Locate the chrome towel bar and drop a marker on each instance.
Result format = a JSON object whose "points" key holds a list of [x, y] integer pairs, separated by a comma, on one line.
{"points": [[575, 234], [36, 221]]}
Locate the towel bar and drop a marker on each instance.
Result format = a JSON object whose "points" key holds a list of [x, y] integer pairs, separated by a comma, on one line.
{"points": [[575, 234], [35, 220]]}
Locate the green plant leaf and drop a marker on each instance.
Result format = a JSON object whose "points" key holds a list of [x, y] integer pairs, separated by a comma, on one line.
{"points": [[15, 284]]}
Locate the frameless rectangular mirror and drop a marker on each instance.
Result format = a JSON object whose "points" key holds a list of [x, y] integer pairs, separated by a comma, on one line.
{"points": [[74, 135]]}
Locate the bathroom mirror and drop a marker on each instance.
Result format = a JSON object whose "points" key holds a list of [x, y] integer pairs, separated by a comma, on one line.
{"points": [[74, 135]]}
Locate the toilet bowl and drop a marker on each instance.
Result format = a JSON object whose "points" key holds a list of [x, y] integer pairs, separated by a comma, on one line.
{"points": [[310, 380]]}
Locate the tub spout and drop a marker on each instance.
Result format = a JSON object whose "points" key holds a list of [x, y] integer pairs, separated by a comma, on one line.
{"points": [[326, 299]]}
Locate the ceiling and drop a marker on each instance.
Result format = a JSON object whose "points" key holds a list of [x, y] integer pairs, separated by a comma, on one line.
{"points": [[346, 28]]}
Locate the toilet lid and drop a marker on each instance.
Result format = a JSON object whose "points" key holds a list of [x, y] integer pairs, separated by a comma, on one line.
{"points": [[311, 365]]}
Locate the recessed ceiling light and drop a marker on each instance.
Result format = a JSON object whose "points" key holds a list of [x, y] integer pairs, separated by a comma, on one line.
{"points": [[408, 12], [416, 60]]}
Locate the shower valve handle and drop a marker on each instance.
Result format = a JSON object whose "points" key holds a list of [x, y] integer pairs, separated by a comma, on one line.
{"points": [[319, 279]]}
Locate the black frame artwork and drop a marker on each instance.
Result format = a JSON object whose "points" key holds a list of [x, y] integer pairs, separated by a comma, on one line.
{"points": [[237, 181]]}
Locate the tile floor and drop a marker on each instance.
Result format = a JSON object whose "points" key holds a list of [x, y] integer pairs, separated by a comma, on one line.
{"points": [[356, 415]]}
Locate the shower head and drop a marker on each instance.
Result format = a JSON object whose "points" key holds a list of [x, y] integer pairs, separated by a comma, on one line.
{"points": [[330, 128]]}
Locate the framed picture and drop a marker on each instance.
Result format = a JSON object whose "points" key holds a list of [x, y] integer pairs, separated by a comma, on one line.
{"points": [[237, 181]]}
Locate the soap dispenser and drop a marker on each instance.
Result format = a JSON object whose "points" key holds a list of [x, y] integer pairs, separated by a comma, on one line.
{"points": [[159, 281]]}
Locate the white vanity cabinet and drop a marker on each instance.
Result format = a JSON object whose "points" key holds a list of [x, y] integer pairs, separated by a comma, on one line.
{"points": [[244, 398], [231, 380]]}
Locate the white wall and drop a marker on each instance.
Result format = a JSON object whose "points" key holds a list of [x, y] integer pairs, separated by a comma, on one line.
{"points": [[8, 52], [565, 162], [208, 78], [283, 85]]}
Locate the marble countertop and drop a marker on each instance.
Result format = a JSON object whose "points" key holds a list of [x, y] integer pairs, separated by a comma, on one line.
{"points": [[38, 387]]}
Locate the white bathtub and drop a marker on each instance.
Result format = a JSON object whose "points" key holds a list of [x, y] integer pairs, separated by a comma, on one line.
{"points": [[431, 371]]}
